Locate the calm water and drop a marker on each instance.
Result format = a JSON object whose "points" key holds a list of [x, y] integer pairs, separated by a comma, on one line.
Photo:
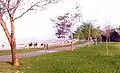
{"points": [[22, 42]]}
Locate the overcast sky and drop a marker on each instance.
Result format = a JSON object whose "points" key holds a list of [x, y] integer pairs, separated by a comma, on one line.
{"points": [[37, 25], [102, 10]]}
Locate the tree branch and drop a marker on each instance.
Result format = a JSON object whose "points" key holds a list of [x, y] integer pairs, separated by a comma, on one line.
{"points": [[31, 8], [3, 8], [15, 7], [3, 24], [8, 3]]}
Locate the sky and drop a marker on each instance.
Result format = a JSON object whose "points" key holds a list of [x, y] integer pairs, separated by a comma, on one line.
{"points": [[37, 25], [105, 11]]}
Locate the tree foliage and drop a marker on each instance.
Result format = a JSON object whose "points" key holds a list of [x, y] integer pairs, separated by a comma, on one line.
{"points": [[87, 30], [64, 23], [97, 32], [118, 28], [78, 34]]}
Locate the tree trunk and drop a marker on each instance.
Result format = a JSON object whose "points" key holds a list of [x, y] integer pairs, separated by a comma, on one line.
{"points": [[109, 39], [72, 42], [96, 40], [101, 39], [78, 37], [89, 37], [72, 45], [88, 41], [11, 40], [13, 44], [3, 24], [15, 61], [63, 41], [106, 46]]}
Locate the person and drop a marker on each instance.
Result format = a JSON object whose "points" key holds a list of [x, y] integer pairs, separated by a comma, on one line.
{"points": [[35, 45], [30, 45], [42, 44], [46, 46], [2, 45]]}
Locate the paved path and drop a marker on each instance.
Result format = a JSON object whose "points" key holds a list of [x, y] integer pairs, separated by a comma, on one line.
{"points": [[30, 54]]}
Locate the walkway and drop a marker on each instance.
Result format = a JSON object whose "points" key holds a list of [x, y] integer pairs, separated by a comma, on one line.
{"points": [[30, 54]]}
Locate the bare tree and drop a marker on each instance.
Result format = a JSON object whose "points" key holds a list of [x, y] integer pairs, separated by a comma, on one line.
{"points": [[8, 8], [107, 31]]}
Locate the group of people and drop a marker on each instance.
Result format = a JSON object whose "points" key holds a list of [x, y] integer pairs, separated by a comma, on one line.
{"points": [[45, 46], [35, 45]]}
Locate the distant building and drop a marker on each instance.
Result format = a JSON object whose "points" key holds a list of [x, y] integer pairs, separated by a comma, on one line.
{"points": [[113, 35]]}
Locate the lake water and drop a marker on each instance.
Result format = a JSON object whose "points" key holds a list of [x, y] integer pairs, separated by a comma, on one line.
{"points": [[21, 43]]}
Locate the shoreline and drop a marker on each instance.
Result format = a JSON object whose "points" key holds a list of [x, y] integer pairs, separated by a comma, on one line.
{"points": [[22, 45]]}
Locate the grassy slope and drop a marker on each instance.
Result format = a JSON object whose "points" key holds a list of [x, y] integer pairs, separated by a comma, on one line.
{"points": [[91, 59]]}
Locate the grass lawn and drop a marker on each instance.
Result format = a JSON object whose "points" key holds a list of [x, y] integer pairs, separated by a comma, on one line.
{"points": [[92, 59], [7, 52]]}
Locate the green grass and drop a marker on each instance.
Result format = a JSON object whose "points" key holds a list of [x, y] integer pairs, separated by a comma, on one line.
{"points": [[7, 52], [92, 59]]}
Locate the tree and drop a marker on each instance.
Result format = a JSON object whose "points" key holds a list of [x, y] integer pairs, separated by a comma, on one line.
{"points": [[87, 29], [107, 31], [64, 23], [118, 28], [8, 9], [97, 33], [63, 26], [78, 34]]}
